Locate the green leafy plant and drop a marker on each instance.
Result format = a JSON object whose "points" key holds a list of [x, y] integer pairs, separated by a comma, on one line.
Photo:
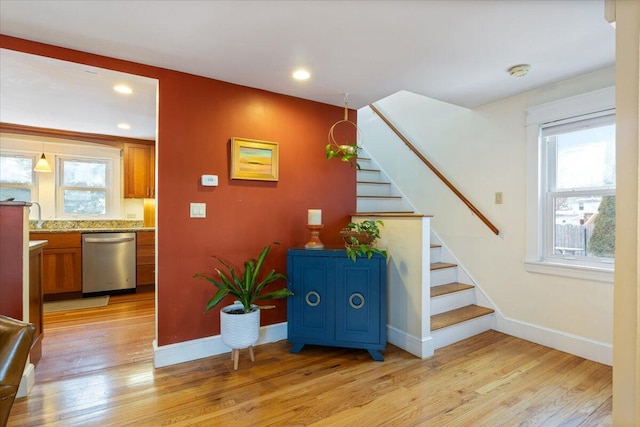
{"points": [[359, 238], [603, 238], [245, 285], [346, 153]]}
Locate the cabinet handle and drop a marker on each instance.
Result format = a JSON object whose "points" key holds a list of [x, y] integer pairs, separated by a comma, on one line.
{"points": [[148, 191], [310, 294], [353, 297]]}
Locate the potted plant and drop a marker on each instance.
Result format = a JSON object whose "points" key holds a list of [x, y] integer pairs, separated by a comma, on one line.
{"points": [[344, 152], [359, 238], [240, 322]]}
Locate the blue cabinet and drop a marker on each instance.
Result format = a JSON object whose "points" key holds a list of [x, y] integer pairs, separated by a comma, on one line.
{"points": [[337, 302]]}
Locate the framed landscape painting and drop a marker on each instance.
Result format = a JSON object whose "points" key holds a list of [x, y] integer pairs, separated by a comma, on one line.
{"points": [[254, 160]]}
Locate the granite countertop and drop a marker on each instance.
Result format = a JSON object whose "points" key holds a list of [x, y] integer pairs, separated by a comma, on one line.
{"points": [[90, 230], [88, 226]]}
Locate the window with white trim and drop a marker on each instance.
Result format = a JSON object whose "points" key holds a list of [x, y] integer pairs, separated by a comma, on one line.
{"points": [[571, 184], [84, 187], [579, 206], [17, 177]]}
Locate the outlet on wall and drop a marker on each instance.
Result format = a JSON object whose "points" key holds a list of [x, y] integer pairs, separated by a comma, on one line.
{"points": [[498, 197]]}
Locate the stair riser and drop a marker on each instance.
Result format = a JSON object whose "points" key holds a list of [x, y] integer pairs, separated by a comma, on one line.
{"points": [[375, 190], [452, 334], [382, 205], [452, 301], [435, 255], [443, 276], [374, 176]]}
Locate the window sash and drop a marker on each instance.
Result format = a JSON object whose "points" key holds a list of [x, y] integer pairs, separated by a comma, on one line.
{"points": [[62, 188], [32, 186]]}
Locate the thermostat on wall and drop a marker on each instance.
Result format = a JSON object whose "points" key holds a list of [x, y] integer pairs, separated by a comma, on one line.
{"points": [[210, 180]]}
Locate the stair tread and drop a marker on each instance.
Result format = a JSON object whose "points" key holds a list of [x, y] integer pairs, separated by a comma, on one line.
{"points": [[378, 197], [374, 182], [441, 265], [459, 315], [449, 288], [397, 214]]}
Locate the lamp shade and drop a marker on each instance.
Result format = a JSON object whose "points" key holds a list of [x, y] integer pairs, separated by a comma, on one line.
{"points": [[43, 165]]}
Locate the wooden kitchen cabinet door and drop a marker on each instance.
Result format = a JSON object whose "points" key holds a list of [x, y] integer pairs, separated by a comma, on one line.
{"points": [[62, 270], [139, 171]]}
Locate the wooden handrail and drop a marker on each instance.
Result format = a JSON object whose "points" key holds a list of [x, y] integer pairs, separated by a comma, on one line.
{"points": [[436, 172]]}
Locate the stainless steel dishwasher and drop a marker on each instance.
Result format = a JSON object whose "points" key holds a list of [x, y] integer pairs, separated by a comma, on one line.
{"points": [[108, 262]]}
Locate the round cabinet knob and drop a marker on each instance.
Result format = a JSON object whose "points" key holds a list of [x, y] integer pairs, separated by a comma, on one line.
{"points": [[312, 298], [356, 300]]}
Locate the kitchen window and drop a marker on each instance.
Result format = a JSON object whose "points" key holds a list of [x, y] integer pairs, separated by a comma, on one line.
{"points": [[84, 187], [85, 183], [17, 177], [571, 184]]}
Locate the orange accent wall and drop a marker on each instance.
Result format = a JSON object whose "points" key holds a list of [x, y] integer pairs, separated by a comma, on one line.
{"points": [[197, 118]]}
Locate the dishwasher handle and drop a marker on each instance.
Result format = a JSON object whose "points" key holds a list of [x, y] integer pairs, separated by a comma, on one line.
{"points": [[108, 239]]}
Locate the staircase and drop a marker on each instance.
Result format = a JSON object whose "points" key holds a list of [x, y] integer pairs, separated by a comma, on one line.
{"points": [[454, 313], [375, 192]]}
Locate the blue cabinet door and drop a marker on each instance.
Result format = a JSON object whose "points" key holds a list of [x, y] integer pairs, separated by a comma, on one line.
{"points": [[358, 300], [310, 309]]}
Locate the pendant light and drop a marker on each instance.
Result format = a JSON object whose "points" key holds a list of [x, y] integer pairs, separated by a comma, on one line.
{"points": [[43, 164]]}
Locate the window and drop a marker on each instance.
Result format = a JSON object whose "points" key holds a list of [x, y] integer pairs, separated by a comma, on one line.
{"points": [[84, 187], [17, 177], [571, 184], [85, 182], [580, 199]]}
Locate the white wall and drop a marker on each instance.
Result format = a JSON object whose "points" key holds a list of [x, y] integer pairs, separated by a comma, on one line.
{"points": [[626, 365], [482, 151]]}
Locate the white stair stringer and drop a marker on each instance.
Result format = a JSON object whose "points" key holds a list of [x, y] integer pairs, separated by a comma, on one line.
{"points": [[375, 192]]}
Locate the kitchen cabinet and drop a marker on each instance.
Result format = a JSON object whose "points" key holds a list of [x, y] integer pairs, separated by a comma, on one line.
{"points": [[139, 170], [337, 302], [146, 258], [61, 262]]}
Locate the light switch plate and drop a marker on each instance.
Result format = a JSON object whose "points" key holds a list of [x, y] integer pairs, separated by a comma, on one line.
{"points": [[198, 210]]}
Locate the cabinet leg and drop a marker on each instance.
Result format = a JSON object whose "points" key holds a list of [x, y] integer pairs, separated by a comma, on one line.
{"points": [[296, 348], [251, 353], [376, 355]]}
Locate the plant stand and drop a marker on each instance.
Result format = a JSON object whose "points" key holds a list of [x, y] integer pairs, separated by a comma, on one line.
{"points": [[235, 356]]}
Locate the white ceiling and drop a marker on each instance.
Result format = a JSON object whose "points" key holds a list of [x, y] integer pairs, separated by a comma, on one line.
{"points": [[455, 51]]}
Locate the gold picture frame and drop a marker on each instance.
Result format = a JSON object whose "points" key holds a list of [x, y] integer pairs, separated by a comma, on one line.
{"points": [[254, 160]]}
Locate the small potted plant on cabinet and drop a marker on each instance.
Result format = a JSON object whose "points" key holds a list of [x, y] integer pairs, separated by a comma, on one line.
{"points": [[359, 238], [240, 321]]}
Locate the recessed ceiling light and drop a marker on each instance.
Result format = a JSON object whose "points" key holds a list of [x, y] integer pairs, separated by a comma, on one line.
{"points": [[124, 89], [125, 126], [301, 74], [520, 70]]}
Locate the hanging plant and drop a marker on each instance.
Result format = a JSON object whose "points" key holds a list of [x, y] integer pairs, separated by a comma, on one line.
{"points": [[345, 152]]}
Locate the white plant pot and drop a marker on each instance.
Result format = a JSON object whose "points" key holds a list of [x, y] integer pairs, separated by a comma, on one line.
{"points": [[239, 330]]}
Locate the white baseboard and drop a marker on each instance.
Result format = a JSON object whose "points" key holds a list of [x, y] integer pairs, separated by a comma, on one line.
{"points": [[421, 348], [27, 381], [210, 346], [573, 344]]}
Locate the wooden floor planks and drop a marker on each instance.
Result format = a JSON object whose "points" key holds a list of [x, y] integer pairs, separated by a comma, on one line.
{"points": [[97, 370]]}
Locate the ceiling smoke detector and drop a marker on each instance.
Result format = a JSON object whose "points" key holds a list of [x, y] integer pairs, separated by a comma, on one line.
{"points": [[520, 70]]}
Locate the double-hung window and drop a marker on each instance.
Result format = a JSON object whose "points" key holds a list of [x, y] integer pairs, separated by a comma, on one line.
{"points": [[84, 187], [17, 177], [571, 176]]}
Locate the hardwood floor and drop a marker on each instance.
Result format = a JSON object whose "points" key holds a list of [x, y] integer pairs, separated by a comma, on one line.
{"points": [[97, 370]]}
